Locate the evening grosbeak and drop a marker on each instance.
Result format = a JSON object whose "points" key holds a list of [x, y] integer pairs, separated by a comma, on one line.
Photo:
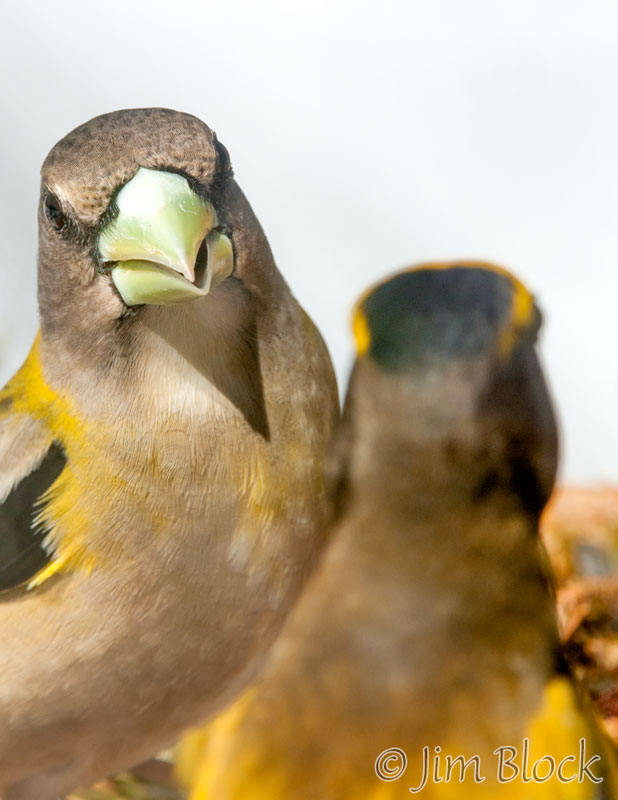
{"points": [[427, 631], [161, 455]]}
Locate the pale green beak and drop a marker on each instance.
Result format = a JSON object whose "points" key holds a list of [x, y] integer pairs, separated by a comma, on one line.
{"points": [[155, 240]]}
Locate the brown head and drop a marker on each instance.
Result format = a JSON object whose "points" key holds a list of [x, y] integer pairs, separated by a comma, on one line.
{"points": [[447, 395], [139, 210]]}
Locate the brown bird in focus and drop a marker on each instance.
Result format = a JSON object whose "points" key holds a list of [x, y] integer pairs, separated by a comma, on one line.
{"points": [[161, 455]]}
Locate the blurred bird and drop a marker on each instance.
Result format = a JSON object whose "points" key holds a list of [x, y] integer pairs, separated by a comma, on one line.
{"points": [[426, 636], [161, 455]]}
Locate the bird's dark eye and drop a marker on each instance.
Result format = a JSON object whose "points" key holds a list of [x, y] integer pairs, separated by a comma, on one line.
{"points": [[54, 213], [223, 157]]}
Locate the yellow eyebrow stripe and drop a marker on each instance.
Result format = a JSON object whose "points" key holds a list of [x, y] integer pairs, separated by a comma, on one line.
{"points": [[360, 329]]}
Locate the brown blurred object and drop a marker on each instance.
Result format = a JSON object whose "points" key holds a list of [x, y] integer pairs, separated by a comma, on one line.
{"points": [[580, 532]]}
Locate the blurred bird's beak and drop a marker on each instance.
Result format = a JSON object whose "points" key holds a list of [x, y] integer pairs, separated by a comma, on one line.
{"points": [[156, 241]]}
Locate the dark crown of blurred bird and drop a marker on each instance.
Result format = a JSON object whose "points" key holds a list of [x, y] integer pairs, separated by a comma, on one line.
{"points": [[161, 455], [427, 631]]}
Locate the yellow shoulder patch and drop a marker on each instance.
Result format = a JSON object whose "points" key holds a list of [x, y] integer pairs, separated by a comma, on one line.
{"points": [[30, 394]]}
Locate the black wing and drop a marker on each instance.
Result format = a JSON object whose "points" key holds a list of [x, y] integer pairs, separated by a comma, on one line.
{"points": [[22, 553]]}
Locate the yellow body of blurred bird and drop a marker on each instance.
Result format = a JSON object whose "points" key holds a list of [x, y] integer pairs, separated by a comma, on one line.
{"points": [[423, 657]]}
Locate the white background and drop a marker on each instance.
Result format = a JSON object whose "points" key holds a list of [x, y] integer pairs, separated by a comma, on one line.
{"points": [[367, 136]]}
